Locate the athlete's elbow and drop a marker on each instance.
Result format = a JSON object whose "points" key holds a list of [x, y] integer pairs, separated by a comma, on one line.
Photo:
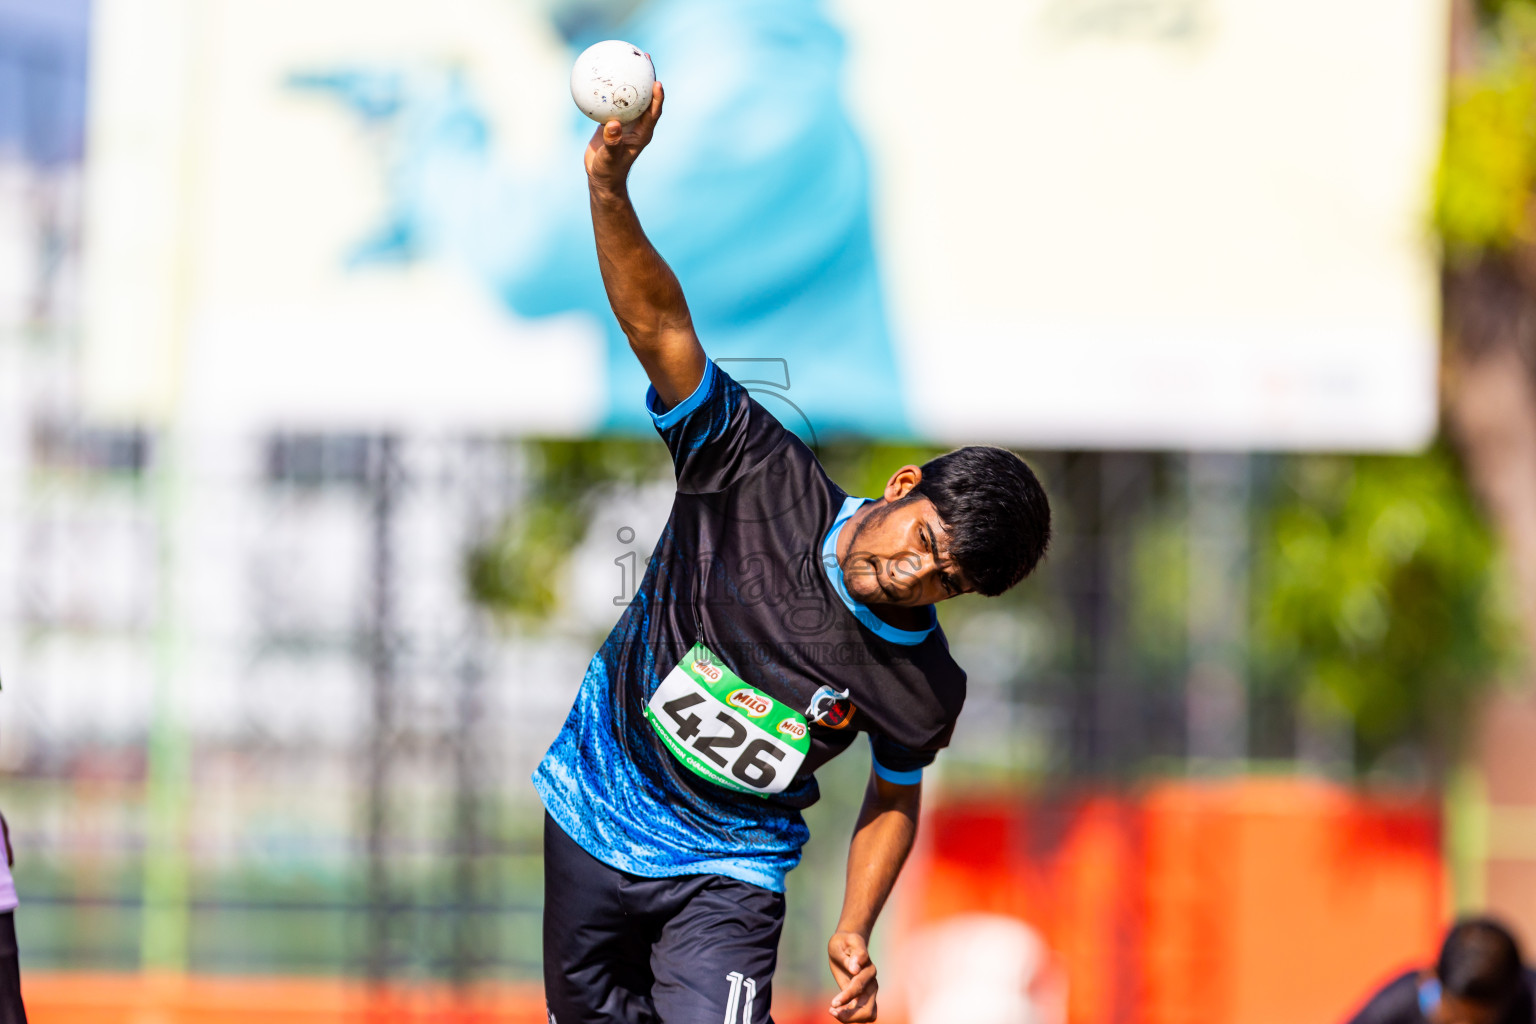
{"points": [[655, 336]]}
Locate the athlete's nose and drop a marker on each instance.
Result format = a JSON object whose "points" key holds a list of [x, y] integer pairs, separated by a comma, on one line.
{"points": [[913, 570]]}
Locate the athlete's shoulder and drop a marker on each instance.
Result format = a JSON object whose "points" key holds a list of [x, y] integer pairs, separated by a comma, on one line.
{"points": [[722, 437]]}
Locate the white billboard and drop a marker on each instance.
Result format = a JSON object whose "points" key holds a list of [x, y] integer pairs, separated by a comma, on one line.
{"points": [[1080, 223]]}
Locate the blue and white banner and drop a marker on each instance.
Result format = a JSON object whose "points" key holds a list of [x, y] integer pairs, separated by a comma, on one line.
{"points": [[1038, 222]]}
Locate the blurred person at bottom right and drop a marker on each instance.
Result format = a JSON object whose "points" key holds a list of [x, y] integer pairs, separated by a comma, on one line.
{"points": [[1479, 978]]}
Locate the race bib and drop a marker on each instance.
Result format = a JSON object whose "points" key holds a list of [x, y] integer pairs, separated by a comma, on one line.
{"points": [[723, 730]]}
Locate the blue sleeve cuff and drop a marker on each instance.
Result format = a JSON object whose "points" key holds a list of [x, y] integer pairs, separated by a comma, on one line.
{"points": [[910, 778], [675, 415]]}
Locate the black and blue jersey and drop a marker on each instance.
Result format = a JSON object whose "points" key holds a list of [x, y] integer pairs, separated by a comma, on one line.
{"points": [[741, 666]]}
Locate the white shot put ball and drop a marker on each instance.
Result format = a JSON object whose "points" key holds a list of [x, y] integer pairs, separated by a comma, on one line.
{"points": [[612, 80]]}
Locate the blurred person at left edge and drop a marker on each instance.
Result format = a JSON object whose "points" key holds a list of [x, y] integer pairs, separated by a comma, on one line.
{"points": [[11, 1009]]}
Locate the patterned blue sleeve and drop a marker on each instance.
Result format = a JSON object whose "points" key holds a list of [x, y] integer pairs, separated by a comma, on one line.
{"points": [[717, 434], [896, 763]]}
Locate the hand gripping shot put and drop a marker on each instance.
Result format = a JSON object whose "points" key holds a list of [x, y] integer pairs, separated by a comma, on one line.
{"points": [[778, 620]]}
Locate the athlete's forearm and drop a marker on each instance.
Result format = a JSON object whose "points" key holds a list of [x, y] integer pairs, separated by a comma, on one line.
{"points": [[643, 291], [882, 839], [645, 295]]}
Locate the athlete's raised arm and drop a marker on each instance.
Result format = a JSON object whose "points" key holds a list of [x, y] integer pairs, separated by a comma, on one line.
{"points": [[881, 841], [642, 289]]}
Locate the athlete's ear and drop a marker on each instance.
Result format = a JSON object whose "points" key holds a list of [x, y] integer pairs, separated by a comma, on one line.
{"points": [[902, 481]]}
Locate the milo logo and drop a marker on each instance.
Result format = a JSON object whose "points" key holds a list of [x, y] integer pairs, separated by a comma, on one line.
{"points": [[794, 730], [707, 670], [753, 703]]}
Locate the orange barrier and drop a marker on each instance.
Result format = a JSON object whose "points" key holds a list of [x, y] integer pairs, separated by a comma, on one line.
{"points": [[1251, 902], [84, 998], [74, 998]]}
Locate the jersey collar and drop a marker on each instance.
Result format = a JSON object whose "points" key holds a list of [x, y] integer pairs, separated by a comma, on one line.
{"points": [[868, 619]]}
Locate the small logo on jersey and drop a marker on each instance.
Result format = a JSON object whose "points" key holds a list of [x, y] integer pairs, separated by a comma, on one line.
{"points": [[830, 708], [794, 730], [708, 671], [754, 704]]}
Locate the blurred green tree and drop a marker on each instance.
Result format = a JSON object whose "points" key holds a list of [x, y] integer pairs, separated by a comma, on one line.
{"points": [[1488, 162], [1377, 592], [516, 572], [1485, 217]]}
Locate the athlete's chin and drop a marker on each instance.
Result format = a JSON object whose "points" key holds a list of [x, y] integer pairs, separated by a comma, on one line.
{"points": [[878, 591], [866, 590]]}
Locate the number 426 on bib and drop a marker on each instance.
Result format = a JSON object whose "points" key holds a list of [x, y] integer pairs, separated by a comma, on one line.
{"points": [[725, 731]]}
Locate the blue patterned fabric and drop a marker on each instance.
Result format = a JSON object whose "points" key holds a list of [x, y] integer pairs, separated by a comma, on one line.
{"points": [[605, 793]]}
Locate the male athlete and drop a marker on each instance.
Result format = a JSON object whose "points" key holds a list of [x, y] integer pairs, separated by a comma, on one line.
{"points": [[777, 619]]}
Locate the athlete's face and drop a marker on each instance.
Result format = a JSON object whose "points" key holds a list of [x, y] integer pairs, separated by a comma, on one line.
{"points": [[899, 550]]}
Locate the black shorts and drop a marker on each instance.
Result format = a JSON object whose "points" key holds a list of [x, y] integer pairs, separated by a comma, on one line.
{"points": [[622, 949]]}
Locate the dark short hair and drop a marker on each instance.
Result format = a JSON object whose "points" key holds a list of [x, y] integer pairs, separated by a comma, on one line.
{"points": [[998, 517], [1480, 962]]}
